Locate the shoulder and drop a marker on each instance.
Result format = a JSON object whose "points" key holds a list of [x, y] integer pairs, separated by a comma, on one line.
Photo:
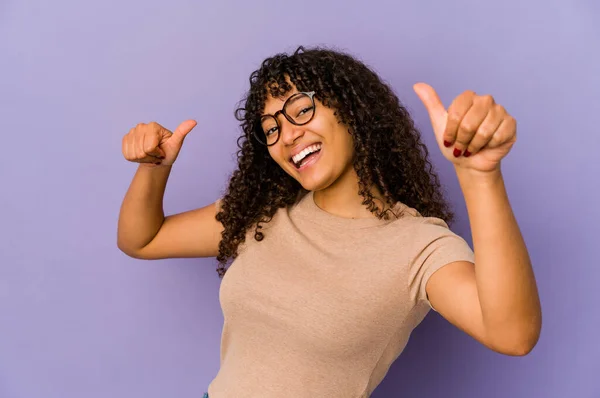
{"points": [[427, 230], [417, 231], [407, 217]]}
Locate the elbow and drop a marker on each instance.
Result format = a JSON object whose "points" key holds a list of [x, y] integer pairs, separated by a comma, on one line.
{"points": [[517, 343], [519, 350], [128, 250]]}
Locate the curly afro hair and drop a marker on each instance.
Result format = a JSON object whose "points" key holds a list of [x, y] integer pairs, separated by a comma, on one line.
{"points": [[388, 152]]}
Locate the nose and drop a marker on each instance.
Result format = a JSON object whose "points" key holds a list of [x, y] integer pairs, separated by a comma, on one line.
{"points": [[289, 132]]}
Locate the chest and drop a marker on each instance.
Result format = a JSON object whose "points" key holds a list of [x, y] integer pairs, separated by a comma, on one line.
{"points": [[332, 295]]}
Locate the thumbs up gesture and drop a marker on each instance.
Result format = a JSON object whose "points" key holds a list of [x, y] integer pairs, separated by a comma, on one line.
{"points": [[474, 132], [154, 145]]}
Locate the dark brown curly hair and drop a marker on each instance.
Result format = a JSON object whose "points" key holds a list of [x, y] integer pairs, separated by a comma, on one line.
{"points": [[388, 152]]}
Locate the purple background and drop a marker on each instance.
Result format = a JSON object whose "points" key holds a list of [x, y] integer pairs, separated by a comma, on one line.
{"points": [[80, 319]]}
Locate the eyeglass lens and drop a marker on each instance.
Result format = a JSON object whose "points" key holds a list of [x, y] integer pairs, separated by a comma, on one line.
{"points": [[298, 109]]}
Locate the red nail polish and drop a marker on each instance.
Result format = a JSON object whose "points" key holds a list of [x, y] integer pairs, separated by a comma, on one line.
{"points": [[467, 153], [456, 153], [447, 144]]}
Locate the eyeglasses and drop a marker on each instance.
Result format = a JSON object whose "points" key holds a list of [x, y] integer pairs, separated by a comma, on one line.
{"points": [[299, 109]]}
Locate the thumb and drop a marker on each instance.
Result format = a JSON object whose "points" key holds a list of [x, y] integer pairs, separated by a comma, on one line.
{"points": [[433, 104], [183, 129]]}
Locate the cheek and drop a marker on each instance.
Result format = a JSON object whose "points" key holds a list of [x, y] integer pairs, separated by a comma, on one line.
{"points": [[344, 141], [277, 156]]}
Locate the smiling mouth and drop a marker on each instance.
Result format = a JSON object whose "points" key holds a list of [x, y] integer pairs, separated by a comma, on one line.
{"points": [[307, 160]]}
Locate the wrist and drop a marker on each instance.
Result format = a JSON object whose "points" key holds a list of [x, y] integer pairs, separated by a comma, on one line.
{"points": [[471, 177], [155, 167]]}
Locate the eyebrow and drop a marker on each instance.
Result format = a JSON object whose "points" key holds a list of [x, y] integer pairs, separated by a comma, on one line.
{"points": [[284, 102], [296, 99]]}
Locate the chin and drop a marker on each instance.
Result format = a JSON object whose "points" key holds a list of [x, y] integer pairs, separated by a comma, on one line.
{"points": [[315, 177], [314, 187], [315, 183]]}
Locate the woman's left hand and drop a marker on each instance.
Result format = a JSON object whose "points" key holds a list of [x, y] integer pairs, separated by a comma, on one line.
{"points": [[474, 133]]}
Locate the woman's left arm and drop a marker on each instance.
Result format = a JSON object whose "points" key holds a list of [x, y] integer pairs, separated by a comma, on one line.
{"points": [[495, 300]]}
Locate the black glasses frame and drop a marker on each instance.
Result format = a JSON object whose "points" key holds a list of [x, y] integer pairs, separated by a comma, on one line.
{"points": [[309, 94]]}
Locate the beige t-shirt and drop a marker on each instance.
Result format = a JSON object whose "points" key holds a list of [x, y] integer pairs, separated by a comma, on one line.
{"points": [[323, 305]]}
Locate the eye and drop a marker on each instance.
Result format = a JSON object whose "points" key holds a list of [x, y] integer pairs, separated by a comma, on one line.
{"points": [[305, 110], [271, 131]]}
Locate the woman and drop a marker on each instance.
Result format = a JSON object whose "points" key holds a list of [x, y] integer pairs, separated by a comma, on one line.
{"points": [[338, 229]]}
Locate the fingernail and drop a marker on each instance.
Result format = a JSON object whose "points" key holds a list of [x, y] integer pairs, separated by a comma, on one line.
{"points": [[447, 144], [457, 152], [467, 153]]}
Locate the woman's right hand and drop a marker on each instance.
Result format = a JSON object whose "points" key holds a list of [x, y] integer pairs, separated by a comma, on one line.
{"points": [[152, 144]]}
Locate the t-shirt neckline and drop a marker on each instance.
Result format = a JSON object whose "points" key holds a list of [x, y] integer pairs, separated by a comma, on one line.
{"points": [[307, 205]]}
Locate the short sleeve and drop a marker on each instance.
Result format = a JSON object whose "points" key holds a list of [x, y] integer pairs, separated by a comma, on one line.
{"points": [[435, 245]]}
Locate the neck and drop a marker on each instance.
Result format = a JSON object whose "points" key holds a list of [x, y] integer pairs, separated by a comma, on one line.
{"points": [[343, 200]]}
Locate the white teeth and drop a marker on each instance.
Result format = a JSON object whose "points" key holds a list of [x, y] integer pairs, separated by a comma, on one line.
{"points": [[305, 152]]}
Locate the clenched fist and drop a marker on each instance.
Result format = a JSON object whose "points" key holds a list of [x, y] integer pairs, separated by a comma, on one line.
{"points": [[152, 144]]}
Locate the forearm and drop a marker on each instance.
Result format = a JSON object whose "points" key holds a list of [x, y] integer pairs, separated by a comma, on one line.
{"points": [[141, 214], [505, 280]]}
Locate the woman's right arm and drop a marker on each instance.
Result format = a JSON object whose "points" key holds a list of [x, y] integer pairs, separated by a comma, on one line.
{"points": [[143, 230]]}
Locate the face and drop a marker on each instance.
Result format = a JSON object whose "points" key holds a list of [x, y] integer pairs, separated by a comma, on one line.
{"points": [[317, 154]]}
